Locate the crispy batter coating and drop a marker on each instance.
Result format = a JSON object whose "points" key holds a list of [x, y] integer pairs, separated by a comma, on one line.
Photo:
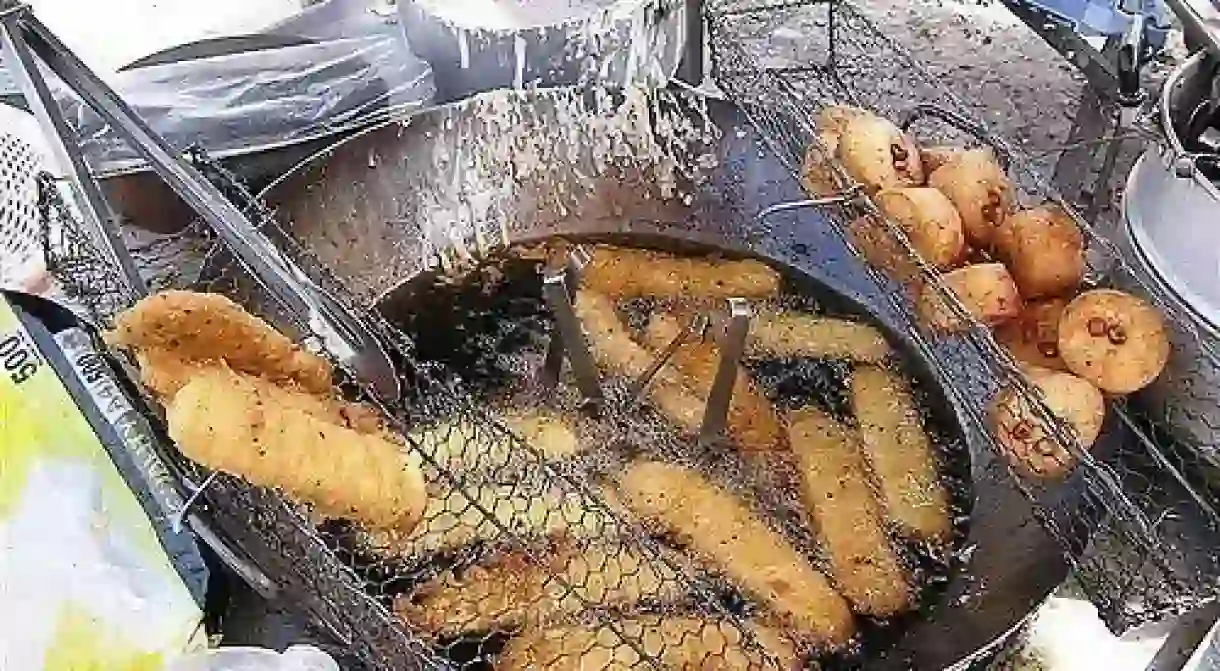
{"points": [[631, 273], [460, 446], [165, 373], [788, 333], [900, 454], [680, 643], [515, 589], [271, 437], [753, 421], [209, 327], [456, 518], [618, 354], [849, 518], [739, 544]]}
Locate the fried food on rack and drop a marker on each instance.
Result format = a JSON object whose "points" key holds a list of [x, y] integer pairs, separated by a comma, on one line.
{"points": [[986, 291], [929, 220], [1044, 249], [980, 190], [164, 372], [753, 421], [817, 175], [681, 643], [1033, 337], [271, 437], [617, 353], [739, 544], [459, 446], [935, 156], [1114, 340], [791, 333], [878, 155], [517, 589], [209, 328], [480, 513], [619, 272], [1029, 441], [878, 245], [900, 454], [848, 516]]}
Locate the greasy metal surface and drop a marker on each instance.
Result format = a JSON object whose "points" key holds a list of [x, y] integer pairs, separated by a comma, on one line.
{"points": [[359, 205]]}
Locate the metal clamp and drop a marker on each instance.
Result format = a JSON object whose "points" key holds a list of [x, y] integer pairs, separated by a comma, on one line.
{"points": [[571, 343], [732, 350]]}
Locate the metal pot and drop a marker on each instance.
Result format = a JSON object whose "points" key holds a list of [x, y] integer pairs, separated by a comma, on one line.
{"points": [[470, 55], [366, 206], [1167, 237]]}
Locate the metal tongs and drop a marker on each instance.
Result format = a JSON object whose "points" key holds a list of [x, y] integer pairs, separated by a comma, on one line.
{"points": [[729, 330], [340, 333]]}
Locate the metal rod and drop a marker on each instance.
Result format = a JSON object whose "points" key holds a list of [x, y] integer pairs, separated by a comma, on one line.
{"points": [[93, 207], [247, 571], [690, 70], [847, 196], [732, 349], [559, 299], [552, 366], [639, 387], [1187, 635]]}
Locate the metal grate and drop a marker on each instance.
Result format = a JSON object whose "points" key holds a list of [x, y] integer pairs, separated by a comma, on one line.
{"points": [[1140, 541]]}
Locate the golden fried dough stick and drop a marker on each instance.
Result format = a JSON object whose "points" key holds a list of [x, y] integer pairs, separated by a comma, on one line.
{"points": [[900, 454], [619, 273], [618, 354], [456, 518], [164, 372], [788, 333], [210, 328], [753, 421], [514, 589], [268, 436], [460, 446], [849, 518], [680, 643], [739, 544]]}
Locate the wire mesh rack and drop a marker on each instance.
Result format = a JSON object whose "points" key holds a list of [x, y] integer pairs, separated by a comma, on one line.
{"points": [[1138, 542], [532, 542]]}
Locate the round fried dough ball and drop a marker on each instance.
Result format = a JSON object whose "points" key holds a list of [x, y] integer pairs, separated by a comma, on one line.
{"points": [[934, 157], [1033, 337], [1044, 249], [986, 290], [929, 220], [879, 155], [1029, 441], [979, 189], [817, 175], [1114, 340]]}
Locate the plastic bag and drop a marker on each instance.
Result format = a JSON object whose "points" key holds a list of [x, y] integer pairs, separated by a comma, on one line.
{"points": [[295, 658], [260, 99]]}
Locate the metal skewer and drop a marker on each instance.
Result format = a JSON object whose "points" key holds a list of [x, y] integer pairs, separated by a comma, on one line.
{"points": [[698, 326]]}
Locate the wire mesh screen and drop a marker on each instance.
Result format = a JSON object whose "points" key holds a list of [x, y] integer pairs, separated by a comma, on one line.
{"points": [[1139, 534]]}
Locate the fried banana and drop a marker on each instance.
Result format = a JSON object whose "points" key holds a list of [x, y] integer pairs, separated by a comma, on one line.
{"points": [[268, 436], [848, 516], [458, 519], [796, 334], [740, 545], [461, 447], [900, 454], [680, 643], [515, 589], [164, 372], [631, 273], [206, 327], [617, 353], [753, 421]]}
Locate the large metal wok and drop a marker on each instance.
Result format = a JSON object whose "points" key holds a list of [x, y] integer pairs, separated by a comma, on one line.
{"points": [[369, 207]]}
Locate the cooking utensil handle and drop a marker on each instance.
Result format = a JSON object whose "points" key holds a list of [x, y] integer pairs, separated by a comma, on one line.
{"points": [[978, 130], [93, 207]]}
